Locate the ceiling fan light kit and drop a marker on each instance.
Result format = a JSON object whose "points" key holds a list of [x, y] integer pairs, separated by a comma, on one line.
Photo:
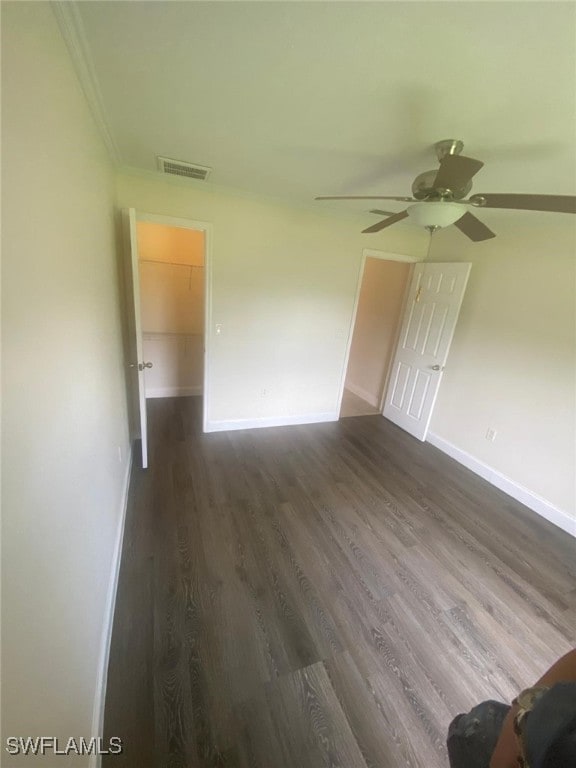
{"points": [[438, 197], [435, 214]]}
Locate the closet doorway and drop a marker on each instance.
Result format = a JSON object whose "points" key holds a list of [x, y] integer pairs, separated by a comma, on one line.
{"points": [[171, 264], [168, 293], [384, 278]]}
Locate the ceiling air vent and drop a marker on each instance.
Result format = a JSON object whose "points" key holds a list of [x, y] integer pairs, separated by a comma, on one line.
{"points": [[179, 168]]}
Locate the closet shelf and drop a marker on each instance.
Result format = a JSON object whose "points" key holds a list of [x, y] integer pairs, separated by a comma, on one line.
{"points": [[172, 263], [179, 334]]}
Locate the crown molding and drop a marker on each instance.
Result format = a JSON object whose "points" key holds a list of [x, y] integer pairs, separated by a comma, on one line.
{"points": [[208, 187], [72, 30]]}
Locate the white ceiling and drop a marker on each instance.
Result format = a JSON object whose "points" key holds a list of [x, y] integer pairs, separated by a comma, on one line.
{"points": [[297, 99]]}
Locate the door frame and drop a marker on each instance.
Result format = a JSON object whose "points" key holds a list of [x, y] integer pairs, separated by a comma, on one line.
{"points": [[384, 256], [206, 227]]}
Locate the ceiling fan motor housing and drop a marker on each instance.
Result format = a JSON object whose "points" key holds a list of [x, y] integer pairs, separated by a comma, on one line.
{"points": [[423, 188]]}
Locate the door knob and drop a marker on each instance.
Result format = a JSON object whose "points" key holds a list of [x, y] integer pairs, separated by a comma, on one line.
{"points": [[141, 366], [437, 367]]}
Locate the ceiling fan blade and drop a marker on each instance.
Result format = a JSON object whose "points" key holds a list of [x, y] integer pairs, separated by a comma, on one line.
{"points": [[456, 171], [368, 197], [383, 213], [473, 228], [386, 223], [552, 203]]}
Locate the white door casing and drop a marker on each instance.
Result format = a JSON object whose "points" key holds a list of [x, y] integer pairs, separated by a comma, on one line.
{"points": [[136, 368], [432, 307], [206, 228]]}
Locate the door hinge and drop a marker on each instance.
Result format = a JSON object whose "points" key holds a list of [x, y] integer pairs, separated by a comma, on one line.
{"points": [[417, 297]]}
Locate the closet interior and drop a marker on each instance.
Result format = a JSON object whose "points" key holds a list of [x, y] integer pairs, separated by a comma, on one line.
{"points": [[171, 266]]}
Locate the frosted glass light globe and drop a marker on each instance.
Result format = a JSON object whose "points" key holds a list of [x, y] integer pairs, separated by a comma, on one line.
{"points": [[435, 214]]}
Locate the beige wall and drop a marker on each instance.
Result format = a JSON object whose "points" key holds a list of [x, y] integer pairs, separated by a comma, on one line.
{"points": [[376, 326], [64, 414], [172, 303], [512, 364], [284, 282]]}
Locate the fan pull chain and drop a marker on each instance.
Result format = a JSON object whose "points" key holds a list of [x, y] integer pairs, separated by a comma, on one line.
{"points": [[431, 230]]}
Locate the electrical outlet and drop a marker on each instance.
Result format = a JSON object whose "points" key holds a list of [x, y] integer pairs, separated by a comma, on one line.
{"points": [[491, 434], [119, 454]]}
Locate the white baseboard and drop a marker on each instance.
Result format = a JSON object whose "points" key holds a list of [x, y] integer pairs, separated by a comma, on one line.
{"points": [[100, 697], [364, 394], [274, 421], [174, 391], [519, 492]]}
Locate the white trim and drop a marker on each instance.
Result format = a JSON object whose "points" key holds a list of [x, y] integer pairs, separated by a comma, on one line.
{"points": [[173, 391], [388, 256], [72, 30], [102, 672], [270, 421], [364, 394], [206, 227], [519, 492]]}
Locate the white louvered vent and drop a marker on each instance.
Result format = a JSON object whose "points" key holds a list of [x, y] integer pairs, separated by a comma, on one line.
{"points": [[179, 168]]}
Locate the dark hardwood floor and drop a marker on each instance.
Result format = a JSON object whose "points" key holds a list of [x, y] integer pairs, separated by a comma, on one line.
{"points": [[322, 595]]}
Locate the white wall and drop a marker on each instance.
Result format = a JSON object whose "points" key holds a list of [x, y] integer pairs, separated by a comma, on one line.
{"points": [[512, 365], [64, 413], [376, 327], [284, 282]]}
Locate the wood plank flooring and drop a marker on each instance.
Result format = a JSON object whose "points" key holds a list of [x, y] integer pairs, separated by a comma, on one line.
{"points": [[328, 595]]}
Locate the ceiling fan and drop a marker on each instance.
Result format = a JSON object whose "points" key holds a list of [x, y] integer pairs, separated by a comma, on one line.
{"points": [[438, 197]]}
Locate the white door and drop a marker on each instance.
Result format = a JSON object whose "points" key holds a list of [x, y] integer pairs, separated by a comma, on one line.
{"points": [[432, 306], [136, 363]]}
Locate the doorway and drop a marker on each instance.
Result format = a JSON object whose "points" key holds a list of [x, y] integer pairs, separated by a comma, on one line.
{"points": [[168, 294], [403, 323], [171, 264], [379, 304]]}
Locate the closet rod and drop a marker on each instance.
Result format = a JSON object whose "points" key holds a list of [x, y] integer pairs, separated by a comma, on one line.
{"points": [[172, 263]]}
